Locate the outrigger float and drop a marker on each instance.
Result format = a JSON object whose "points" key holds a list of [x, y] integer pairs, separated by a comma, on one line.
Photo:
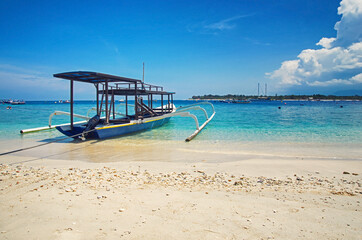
{"points": [[108, 122]]}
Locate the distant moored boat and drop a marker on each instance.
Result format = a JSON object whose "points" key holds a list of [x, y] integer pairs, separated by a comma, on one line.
{"points": [[17, 102]]}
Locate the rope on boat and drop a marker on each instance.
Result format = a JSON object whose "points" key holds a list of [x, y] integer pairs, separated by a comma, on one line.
{"points": [[58, 140]]}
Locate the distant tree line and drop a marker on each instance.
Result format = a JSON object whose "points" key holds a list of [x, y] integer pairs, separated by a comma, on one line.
{"points": [[278, 97]]}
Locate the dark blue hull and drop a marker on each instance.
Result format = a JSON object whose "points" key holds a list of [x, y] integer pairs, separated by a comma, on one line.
{"points": [[112, 130]]}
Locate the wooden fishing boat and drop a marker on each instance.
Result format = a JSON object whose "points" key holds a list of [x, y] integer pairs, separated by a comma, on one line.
{"points": [[108, 122]]}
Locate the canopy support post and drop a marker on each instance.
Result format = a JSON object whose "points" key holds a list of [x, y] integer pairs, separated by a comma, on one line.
{"points": [[71, 103], [162, 102], [151, 101], [135, 101], [126, 105], [101, 105], [168, 102], [97, 89], [114, 113], [107, 115]]}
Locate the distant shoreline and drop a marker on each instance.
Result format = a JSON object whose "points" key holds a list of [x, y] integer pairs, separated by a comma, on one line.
{"points": [[315, 97], [273, 100]]}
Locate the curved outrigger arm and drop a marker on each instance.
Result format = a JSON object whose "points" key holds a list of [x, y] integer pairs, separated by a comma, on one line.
{"points": [[185, 114], [194, 108], [182, 111], [65, 113], [198, 130], [196, 104]]}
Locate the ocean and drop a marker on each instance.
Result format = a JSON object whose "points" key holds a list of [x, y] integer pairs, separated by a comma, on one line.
{"points": [[269, 121]]}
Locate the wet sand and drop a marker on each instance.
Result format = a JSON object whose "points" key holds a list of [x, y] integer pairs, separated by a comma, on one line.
{"points": [[176, 190]]}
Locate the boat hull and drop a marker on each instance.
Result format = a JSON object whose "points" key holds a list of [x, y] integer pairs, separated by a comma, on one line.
{"points": [[112, 130]]}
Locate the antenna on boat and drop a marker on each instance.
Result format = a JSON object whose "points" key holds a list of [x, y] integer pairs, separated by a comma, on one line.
{"points": [[143, 75]]}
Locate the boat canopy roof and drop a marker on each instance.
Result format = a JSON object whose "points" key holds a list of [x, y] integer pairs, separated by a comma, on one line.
{"points": [[94, 77], [122, 85]]}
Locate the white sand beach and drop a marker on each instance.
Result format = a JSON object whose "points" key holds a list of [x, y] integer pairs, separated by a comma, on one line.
{"points": [[273, 109], [144, 190]]}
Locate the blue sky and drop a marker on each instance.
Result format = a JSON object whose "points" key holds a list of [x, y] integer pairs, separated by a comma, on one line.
{"points": [[191, 47]]}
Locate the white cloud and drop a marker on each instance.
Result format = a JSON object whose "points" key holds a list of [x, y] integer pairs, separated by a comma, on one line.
{"points": [[349, 29], [216, 27], [225, 24], [353, 80], [287, 73], [357, 78], [339, 59], [326, 42], [330, 83], [350, 7]]}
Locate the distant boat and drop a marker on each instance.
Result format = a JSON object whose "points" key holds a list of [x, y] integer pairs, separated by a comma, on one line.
{"points": [[61, 101], [261, 99], [17, 102], [8, 101], [241, 101]]}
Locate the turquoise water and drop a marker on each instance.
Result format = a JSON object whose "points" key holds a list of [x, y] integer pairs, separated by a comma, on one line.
{"points": [[324, 122]]}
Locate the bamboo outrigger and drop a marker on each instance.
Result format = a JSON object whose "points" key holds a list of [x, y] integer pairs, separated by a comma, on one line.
{"points": [[105, 124]]}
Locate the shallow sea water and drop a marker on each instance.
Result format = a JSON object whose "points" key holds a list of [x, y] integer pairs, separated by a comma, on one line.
{"points": [[259, 129], [259, 121]]}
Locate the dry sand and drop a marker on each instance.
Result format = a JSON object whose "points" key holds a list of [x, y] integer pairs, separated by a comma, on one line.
{"points": [[179, 191]]}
